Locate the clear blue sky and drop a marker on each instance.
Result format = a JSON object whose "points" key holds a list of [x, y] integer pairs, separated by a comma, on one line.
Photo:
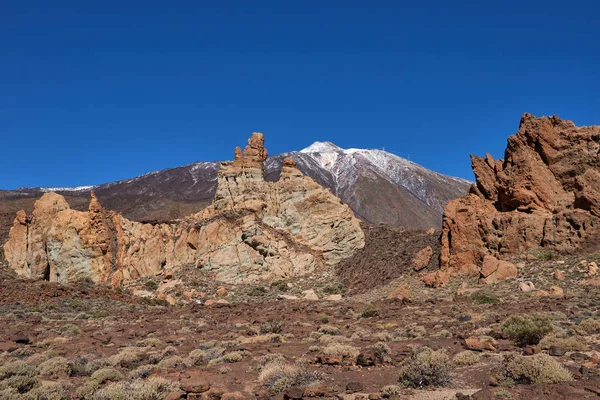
{"points": [[96, 91]]}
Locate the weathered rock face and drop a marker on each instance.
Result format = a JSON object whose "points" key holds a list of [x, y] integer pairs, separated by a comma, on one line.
{"points": [[545, 193], [254, 230]]}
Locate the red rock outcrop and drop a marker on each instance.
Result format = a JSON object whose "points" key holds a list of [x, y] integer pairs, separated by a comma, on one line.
{"points": [[545, 193], [254, 230]]}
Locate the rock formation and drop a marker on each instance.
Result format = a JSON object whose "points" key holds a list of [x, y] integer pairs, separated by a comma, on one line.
{"points": [[254, 230], [544, 194]]}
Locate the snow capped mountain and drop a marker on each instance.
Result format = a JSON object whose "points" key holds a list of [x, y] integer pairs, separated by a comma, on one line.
{"points": [[379, 186]]}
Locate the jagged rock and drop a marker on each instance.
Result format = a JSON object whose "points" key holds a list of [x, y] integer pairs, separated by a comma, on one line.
{"points": [[545, 192], [526, 286], [556, 291], [422, 258], [437, 279], [402, 292], [559, 275], [494, 270], [254, 230], [592, 269]]}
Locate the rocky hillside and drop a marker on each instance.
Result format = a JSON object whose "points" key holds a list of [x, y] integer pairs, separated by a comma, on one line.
{"points": [[377, 185], [545, 193]]}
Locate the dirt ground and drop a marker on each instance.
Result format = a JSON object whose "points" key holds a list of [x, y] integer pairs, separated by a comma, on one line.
{"points": [[82, 341]]}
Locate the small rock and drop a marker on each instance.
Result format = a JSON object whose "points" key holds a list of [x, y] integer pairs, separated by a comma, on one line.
{"points": [[583, 263], [559, 275], [556, 291], [539, 293], [221, 291], [557, 351], [526, 286], [320, 390], [293, 394], [401, 293], [531, 350], [422, 258], [367, 358], [333, 297], [310, 295], [437, 279], [430, 231], [194, 384], [287, 297], [232, 396], [353, 387], [175, 395], [592, 269], [480, 343]]}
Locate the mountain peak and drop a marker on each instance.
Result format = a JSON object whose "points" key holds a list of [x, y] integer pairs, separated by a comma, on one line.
{"points": [[321, 147]]}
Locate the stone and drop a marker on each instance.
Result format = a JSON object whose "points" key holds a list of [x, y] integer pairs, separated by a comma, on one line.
{"points": [[526, 286], [221, 291], [194, 383], [319, 390], [294, 393], [480, 343], [310, 295], [539, 293], [333, 297], [287, 297], [559, 275], [545, 194], [494, 270], [402, 292], [253, 231], [437, 279], [592, 269], [556, 291], [354, 387], [557, 351], [422, 258], [367, 358], [175, 396]]}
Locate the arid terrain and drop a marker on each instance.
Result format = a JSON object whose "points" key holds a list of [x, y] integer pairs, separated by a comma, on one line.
{"points": [[276, 290]]}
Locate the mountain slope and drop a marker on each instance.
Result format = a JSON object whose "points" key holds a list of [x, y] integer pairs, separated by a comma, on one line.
{"points": [[379, 186]]}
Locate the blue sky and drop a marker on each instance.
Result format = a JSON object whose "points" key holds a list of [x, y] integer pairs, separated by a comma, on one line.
{"points": [[96, 91]]}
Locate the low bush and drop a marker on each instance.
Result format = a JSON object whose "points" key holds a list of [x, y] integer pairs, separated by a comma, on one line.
{"points": [[278, 376], [539, 368], [150, 389], [569, 343], [426, 367], [54, 368], [104, 375], [526, 329], [467, 357], [271, 326]]}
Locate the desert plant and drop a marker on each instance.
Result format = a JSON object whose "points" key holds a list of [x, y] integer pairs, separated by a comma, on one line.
{"points": [[104, 375], [70, 330], [278, 376], [369, 312], [271, 326], [171, 362], [526, 329], [150, 389], [569, 343], [390, 390], [341, 350], [426, 367], [484, 298], [54, 368], [467, 357], [329, 330], [588, 326], [49, 391], [151, 284], [128, 357], [232, 357], [539, 368]]}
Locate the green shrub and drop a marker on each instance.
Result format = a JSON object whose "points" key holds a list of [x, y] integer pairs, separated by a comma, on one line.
{"points": [[369, 312], [539, 368], [588, 326], [280, 285], [151, 284], [571, 343], [526, 329], [337, 288], [484, 298], [426, 367]]}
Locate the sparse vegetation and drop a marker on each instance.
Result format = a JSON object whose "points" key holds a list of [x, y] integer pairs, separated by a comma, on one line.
{"points": [[369, 312], [426, 367], [279, 376], [539, 368], [526, 329], [467, 357], [484, 298]]}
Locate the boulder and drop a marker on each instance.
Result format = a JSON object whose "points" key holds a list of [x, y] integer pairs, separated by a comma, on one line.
{"points": [[402, 292], [494, 270], [526, 286], [422, 258]]}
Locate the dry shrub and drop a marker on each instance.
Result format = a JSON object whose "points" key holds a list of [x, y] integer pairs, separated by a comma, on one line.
{"points": [[588, 326], [278, 376], [104, 375], [172, 363], [151, 389], [426, 367], [539, 368], [570, 343], [329, 330], [128, 357], [271, 326], [526, 329], [467, 357], [54, 368], [342, 350], [49, 391], [232, 357]]}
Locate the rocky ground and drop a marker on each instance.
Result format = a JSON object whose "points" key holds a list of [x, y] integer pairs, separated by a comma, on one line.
{"points": [[460, 341]]}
